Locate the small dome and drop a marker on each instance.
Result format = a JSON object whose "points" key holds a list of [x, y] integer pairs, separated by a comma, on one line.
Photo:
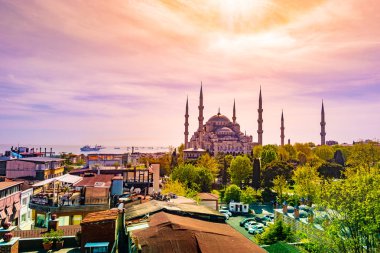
{"points": [[224, 129], [218, 118]]}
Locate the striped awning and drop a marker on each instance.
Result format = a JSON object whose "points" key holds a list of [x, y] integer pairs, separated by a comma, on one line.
{"points": [[9, 210]]}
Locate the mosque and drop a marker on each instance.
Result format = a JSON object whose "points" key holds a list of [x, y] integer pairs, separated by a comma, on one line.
{"points": [[221, 135]]}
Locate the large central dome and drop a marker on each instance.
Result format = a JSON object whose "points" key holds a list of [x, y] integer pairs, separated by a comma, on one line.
{"points": [[218, 118]]}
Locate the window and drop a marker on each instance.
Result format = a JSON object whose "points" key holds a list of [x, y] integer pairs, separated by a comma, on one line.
{"points": [[23, 217], [77, 219], [24, 201]]}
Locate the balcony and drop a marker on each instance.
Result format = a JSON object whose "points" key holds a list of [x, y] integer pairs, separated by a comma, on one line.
{"points": [[67, 202]]}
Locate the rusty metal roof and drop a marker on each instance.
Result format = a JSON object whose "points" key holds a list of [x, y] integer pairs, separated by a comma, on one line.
{"points": [[153, 206], [174, 233], [91, 180], [208, 196], [100, 216]]}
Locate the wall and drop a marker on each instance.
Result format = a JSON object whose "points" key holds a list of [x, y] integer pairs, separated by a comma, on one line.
{"points": [[102, 231], [16, 169], [25, 210]]}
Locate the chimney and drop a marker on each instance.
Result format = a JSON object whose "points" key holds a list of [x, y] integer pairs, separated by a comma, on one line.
{"points": [[284, 207], [296, 212], [156, 177]]}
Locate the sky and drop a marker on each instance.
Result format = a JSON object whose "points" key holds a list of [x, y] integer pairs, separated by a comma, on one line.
{"points": [[119, 72]]}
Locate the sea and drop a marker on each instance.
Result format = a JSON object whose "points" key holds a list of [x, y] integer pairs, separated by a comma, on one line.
{"points": [[75, 149]]}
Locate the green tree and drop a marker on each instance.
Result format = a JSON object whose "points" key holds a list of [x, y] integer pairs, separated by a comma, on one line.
{"points": [[257, 150], [279, 186], [240, 169], [283, 154], [232, 192], [249, 195], [204, 179], [269, 154], [307, 183], [195, 178], [354, 224], [174, 186], [275, 169], [330, 170], [304, 148], [324, 152], [291, 151], [210, 163], [364, 154], [276, 232]]}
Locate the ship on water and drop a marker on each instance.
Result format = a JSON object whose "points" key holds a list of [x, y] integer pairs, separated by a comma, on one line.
{"points": [[89, 148]]}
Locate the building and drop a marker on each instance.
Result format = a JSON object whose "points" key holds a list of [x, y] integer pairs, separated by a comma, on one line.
{"points": [[107, 160], [26, 218], [10, 196], [70, 198], [39, 168], [210, 200], [219, 134]]}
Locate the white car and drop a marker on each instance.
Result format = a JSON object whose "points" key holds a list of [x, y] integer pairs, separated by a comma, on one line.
{"points": [[255, 229], [226, 212], [226, 215], [249, 223]]}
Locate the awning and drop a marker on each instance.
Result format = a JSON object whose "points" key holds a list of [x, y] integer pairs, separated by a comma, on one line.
{"points": [[17, 205], [3, 215], [9, 210], [67, 178]]}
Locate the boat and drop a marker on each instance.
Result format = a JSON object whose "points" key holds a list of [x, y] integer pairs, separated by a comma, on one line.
{"points": [[100, 146], [88, 148], [116, 147]]}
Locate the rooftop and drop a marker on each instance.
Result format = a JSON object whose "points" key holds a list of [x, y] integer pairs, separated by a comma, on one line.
{"points": [[91, 180], [208, 196], [154, 206], [173, 233], [101, 216], [7, 184], [41, 159]]}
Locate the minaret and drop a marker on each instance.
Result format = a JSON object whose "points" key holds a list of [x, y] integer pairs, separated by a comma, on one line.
{"points": [[234, 114], [282, 129], [260, 120], [323, 124], [200, 107], [187, 124]]}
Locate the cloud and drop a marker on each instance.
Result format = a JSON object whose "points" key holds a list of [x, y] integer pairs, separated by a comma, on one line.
{"points": [[122, 71]]}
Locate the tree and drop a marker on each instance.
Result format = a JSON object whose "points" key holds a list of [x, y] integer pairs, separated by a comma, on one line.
{"points": [[279, 186], [275, 169], [283, 154], [324, 152], [275, 233], [301, 157], [257, 150], [291, 151], [355, 223], [240, 169], [304, 148], [256, 173], [330, 170], [174, 186], [269, 154], [364, 154], [306, 182], [180, 159], [210, 163], [195, 178], [233, 192], [249, 195]]}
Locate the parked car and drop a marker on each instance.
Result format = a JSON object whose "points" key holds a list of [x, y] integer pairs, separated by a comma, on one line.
{"points": [[255, 229], [226, 211], [242, 222], [249, 223]]}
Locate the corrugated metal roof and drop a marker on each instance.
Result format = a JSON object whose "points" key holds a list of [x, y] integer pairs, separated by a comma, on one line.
{"points": [[154, 206], [173, 233], [101, 216]]}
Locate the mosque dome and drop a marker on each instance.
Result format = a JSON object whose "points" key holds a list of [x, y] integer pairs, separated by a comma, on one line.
{"points": [[218, 118], [224, 130]]}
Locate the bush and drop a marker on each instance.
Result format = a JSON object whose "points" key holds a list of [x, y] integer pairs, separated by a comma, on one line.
{"points": [[276, 233]]}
